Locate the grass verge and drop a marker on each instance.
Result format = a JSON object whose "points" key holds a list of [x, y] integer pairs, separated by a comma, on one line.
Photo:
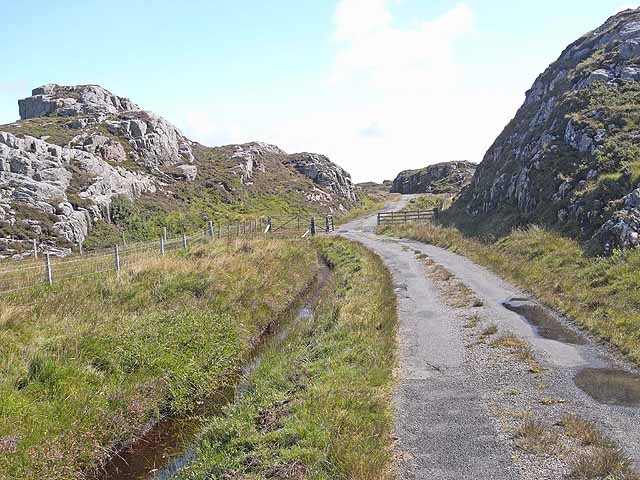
{"points": [[86, 364], [318, 405], [601, 294]]}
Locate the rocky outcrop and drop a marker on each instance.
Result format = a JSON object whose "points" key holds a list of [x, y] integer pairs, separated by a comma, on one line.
{"points": [[329, 177], [72, 100], [155, 142], [39, 175], [95, 146], [446, 177], [568, 157], [250, 158]]}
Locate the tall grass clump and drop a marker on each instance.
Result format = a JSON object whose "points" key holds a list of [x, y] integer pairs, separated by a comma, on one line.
{"points": [[86, 364]]}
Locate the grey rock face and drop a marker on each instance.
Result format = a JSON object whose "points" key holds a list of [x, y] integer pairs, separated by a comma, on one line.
{"points": [[73, 100], [545, 163], [38, 174], [250, 157], [445, 177], [329, 177], [156, 142]]}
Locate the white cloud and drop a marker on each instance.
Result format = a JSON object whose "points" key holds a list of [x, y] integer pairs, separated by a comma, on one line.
{"points": [[395, 97]]}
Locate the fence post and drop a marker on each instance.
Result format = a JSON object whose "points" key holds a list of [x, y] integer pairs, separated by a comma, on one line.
{"points": [[162, 245], [116, 252], [164, 232], [184, 241], [47, 269], [210, 226], [312, 227], [80, 248], [326, 219], [228, 233], [379, 217], [35, 249], [270, 223]]}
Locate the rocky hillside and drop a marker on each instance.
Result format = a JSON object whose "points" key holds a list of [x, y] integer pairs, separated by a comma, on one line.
{"points": [[570, 159], [446, 177], [83, 163]]}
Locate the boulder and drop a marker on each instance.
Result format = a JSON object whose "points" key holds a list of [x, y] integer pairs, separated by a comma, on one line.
{"points": [[445, 177]]}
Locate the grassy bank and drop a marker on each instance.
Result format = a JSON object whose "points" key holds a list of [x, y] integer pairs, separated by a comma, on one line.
{"points": [[85, 364], [601, 294], [318, 405]]}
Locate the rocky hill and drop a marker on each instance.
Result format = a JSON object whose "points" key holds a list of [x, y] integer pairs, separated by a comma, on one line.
{"points": [[570, 159], [83, 163], [446, 177]]}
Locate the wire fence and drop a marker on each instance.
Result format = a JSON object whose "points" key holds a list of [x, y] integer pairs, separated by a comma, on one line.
{"points": [[44, 268]]}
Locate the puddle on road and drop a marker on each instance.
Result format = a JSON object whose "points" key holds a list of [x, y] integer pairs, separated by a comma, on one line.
{"points": [[610, 387], [545, 324], [169, 445]]}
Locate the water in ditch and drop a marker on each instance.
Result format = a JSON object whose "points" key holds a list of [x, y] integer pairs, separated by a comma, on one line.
{"points": [[169, 444], [545, 323]]}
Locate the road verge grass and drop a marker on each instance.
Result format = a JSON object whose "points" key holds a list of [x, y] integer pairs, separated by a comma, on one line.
{"points": [[600, 294], [87, 365], [318, 405]]}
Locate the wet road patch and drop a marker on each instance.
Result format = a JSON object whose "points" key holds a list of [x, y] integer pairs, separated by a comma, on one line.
{"points": [[546, 325], [610, 386]]}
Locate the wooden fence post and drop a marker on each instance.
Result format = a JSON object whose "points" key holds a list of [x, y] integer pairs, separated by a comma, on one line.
{"points": [[47, 269], [80, 248], [210, 226], [116, 253], [312, 227], [164, 232], [162, 245], [35, 249], [184, 241]]}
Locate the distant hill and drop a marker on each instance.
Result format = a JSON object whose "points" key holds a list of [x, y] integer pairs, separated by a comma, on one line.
{"points": [[445, 177], [570, 159], [83, 163]]}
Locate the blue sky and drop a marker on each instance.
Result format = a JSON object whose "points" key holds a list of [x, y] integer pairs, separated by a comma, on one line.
{"points": [[377, 85]]}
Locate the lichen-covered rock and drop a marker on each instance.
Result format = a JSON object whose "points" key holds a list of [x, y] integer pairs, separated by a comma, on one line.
{"points": [[445, 177], [323, 172], [251, 157], [39, 175], [72, 100], [156, 142], [568, 157]]}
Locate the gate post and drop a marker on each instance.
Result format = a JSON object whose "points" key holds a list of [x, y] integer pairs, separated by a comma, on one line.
{"points": [[312, 227], [116, 253], [47, 269]]}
